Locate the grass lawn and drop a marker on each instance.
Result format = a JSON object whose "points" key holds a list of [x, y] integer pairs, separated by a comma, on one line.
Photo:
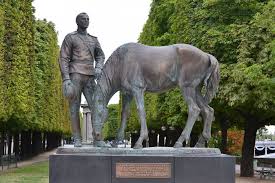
{"points": [[36, 173]]}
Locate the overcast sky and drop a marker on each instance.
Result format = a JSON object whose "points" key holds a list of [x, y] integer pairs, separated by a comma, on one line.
{"points": [[113, 22]]}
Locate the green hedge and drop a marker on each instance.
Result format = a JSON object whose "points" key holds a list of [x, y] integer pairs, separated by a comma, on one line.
{"points": [[30, 82]]}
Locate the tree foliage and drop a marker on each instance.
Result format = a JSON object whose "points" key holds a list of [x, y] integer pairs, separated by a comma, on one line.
{"points": [[2, 66], [47, 81], [241, 35], [19, 59], [238, 33], [111, 125], [30, 82]]}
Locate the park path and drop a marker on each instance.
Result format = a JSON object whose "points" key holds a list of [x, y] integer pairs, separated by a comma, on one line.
{"points": [[252, 180], [36, 159], [39, 158], [45, 156]]}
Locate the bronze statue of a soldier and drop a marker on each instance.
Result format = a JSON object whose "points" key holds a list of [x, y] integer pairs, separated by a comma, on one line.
{"points": [[78, 52]]}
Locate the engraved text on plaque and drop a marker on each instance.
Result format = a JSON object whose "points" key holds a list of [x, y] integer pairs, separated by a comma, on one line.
{"points": [[143, 170]]}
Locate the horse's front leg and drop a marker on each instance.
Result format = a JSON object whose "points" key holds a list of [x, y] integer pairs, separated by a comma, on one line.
{"points": [[139, 98], [126, 101]]}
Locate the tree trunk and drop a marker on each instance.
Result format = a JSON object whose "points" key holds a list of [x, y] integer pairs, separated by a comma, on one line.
{"points": [[44, 142], [168, 139], [26, 148], [23, 147], [9, 143], [5, 145], [55, 140], [51, 141], [36, 143], [153, 138], [2, 139], [16, 144], [59, 142], [162, 135], [248, 149], [224, 128], [48, 141]]}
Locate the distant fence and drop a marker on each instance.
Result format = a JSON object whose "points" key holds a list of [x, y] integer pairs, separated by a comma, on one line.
{"points": [[165, 137], [27, 143]]}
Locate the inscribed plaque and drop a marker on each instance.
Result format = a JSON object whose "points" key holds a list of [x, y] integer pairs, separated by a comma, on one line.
{"points": [[143, 170]]}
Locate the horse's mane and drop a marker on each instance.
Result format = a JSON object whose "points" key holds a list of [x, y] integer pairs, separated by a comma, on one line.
{"points": [[109, 81]]}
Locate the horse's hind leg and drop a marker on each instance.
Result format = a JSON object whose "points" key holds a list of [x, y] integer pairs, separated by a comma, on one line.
{"points": [[126, 101], [189, 94], [139, 98], [207, 113]]}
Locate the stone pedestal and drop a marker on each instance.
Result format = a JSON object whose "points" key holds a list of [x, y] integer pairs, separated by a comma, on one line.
{"points": [[148, 165], [87, 129]]}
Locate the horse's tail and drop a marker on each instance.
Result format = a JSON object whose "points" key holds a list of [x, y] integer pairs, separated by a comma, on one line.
{"points": [[212, 79]]}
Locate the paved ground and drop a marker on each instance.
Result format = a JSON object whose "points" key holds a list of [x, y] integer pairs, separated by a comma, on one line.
{"points": [[252, 180], [45, 156], [36, 159]]}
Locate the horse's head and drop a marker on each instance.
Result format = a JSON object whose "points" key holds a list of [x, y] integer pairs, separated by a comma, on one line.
{"points": [[100, 113]]}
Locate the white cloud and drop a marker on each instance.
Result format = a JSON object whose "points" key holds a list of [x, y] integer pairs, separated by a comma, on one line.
{"points": [[113, 22]]}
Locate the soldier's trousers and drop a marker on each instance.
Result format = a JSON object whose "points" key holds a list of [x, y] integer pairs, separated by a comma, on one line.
{"points": [[83, 84]]}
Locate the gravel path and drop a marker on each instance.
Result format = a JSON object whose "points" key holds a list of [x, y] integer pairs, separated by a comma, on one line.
{"points": [[36, 159]]}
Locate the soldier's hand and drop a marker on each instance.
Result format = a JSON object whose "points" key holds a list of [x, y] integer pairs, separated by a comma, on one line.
{"points": [[98, 72], [69, 89]]}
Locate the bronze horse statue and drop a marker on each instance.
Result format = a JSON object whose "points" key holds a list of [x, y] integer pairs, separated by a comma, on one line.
{"points": [[134, 68]]}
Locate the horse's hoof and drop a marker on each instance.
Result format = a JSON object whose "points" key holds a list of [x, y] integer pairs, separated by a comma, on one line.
{"points": [[178, 145], [101, 144], [199, 145], [138, 146], [201, 142]]}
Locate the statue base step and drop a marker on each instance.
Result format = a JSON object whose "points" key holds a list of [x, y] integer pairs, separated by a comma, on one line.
{"points": [[148, 165]]}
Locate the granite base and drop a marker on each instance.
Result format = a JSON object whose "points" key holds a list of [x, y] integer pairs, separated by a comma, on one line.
{"points": [[148, 165]]}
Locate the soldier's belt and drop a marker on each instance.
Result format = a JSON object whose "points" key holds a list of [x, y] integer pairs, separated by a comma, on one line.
{"points": [[82, 68], [88, 62]]}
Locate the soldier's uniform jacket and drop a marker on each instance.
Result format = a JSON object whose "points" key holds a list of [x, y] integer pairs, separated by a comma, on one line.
{"points": [[78, 53]]}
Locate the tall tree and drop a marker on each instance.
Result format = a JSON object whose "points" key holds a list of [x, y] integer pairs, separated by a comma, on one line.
{"points": [[31, 100], [18, 56], [240, 34], [250, 82], [2, 68], [51, 110]]}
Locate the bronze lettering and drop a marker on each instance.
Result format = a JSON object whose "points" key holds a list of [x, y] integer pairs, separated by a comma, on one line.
{"points": [[143, 170]]}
